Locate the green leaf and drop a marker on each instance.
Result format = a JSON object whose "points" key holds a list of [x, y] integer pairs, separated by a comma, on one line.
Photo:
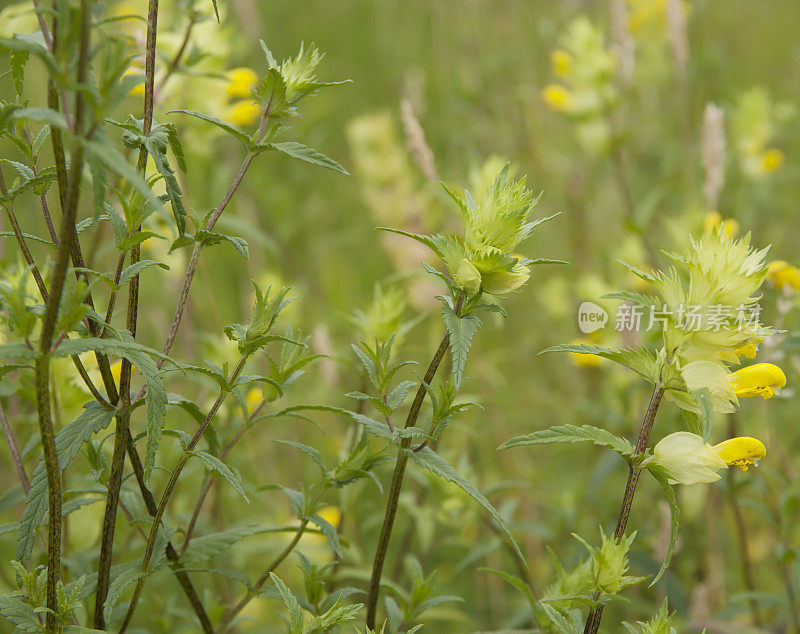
{"points": [[51, 117], [573, 434], [329, 531], [371, 425], [433, 462], [309, 451], [640, 360], [215, 464], [69, 441], [141, 357], [660, 474], [205, 547], [307, 154], [16, 62], [111, 157], [516, 583], [291, 602], [174, 192], [126, 574], [223, 125], [19, 614], [210, 238], [131, 271], [461, 330]]}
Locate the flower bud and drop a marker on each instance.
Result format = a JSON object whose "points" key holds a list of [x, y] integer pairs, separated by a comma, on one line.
{"points": [[468, 277]]}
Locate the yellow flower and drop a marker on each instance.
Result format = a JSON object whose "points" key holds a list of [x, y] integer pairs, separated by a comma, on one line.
{"points": [[558, 97], [332, 514], [781, 274], [713, 221], [772, 159], [254, 398], [688, 459], [241, 82], [582, 359], [741, 452], [244, 112], [116, 371], [750, 350], [761, 379], [562, 61]]}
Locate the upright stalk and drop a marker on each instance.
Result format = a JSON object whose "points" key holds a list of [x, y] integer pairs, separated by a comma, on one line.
{"points": [[58, 279], [168, 490], [634, 471], [124, 408], [397, 478]]}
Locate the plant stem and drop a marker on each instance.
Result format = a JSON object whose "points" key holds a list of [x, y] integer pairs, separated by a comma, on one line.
{"points": [[58, 279], [230, 614], [124, 410], [14, 448], [595, 616], [168, 490], [397, 478]]}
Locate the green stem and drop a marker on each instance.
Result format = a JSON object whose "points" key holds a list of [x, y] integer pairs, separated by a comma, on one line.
{"points": [[397, 478], [595, 616], [168, 490], [124, 411]]}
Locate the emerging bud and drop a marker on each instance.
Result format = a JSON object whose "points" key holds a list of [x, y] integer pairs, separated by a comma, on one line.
{"points": [[468, 277], [761, 379], [610, 563]]}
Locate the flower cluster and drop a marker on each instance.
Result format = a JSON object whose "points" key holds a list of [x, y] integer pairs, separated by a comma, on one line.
{"points": [[244, 110]]}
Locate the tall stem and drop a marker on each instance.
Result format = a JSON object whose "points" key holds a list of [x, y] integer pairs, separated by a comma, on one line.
{"points": [[168, 490], [397, 478], [58, 279], [124, 410], [596, 615]]}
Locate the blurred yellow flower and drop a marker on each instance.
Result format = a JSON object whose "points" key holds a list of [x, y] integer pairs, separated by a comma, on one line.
{"points": [[116, 371], [253, 398], [331, 514], [583, 360], [782, 274], [741, 452], [558, 97], [750, 350], [772, 159], [241, 82], [138, 89], [244, 113], [713, 221], [761, 379], [562, 61]]}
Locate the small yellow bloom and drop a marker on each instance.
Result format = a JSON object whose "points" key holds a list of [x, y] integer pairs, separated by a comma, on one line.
{"points": [[562, 61], [254, 398], [772, 159], [241, 82], [332, 514], [741, 452], [761, 379], [782, 274], [116, 371], [750, 350], [713, 221], [558, 97], [582, 359], [244, 113]]}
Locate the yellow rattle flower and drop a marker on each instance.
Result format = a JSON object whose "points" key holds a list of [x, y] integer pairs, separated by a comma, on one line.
{"points": [[241, 82], [782, 274], [760, 379], [558, 97]]}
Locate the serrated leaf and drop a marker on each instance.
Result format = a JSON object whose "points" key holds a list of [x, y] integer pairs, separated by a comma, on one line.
{"points": [[19, 614], [433, 462], [462, 330], [309, 451], [172, 186], [329, 531], [205, 547], [131, 271], [291, 602], [126, 574], [210, 238], [307, 154], [573, 434], [69, 441], [223, 125], [215, 464], [660, 474], [640, 360]]}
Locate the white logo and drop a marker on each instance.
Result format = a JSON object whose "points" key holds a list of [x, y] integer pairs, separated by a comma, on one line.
{"points": [[591, 317]]}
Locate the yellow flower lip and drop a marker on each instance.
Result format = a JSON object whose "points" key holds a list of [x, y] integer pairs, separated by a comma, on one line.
{"points": [[741, 452], [760, 379], [749, 350]]}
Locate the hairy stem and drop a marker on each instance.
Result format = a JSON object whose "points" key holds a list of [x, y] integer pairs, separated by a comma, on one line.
{"points": [[596, 615], [168, 490], [397, 478]]}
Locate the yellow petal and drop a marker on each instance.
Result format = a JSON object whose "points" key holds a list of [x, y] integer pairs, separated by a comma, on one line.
{"points": [[760, 379], [772, 159], [782, 274], [558, 97], [741, 452], [244, 113], [562, 61], [241, 82]]}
